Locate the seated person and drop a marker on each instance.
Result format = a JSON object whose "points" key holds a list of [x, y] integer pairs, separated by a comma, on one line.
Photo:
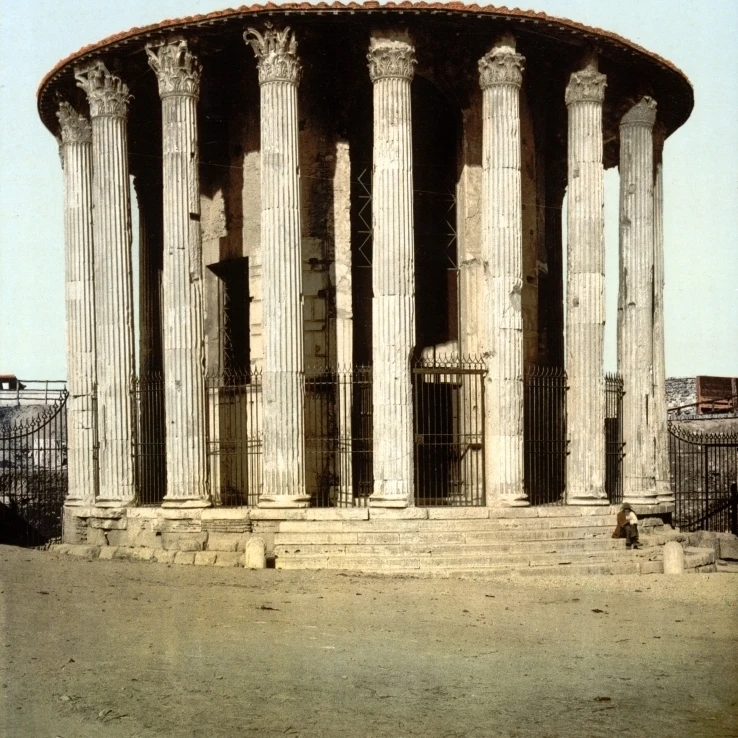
{"points": [[627, 527]]}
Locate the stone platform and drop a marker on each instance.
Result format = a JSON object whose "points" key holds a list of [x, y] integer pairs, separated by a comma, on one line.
{"points": [[419, 541]]}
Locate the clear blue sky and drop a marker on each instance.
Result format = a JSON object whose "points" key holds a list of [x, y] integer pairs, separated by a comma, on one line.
{"points": [[700, 171]]}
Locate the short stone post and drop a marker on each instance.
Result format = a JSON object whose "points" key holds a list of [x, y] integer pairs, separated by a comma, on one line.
{"points": [[108, 97], [178, 74], [673, 558], [635, 302], [76, 152], [391, 68], [283, 380], [255, 553], [501, 76], [585, 290]]}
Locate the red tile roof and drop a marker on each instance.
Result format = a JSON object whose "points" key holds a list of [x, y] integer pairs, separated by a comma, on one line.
{"points": [[369, 5]]}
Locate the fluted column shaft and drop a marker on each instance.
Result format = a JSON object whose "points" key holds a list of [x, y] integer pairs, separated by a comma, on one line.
{"points": [[183, 345], [391, 65], [585, 291], [283, 378], [108, 98], [661, 433], [502, 254], [76, 151], [635, 301]]}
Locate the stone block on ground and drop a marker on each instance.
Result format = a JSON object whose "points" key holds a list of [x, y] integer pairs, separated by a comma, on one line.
{"points": [[728, 546], [673, 558], [255, 556], [205, 558], [184, 557], [164, 557], [108, 553], [84, 552], [229, 558], [142, 554]]}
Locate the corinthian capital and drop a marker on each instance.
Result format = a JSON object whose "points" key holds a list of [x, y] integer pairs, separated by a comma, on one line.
{"points": [[588, 85], [643, 113], [501, 66], [391, 58], [108, 95], [177, 69], [75, 128], [276, 54]]}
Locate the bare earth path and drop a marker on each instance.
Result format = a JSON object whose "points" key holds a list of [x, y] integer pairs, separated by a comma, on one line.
{"points": [[98, 648]]}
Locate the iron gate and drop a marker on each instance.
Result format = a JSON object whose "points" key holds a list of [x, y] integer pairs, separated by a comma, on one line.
{"points": [[704, 473], [33, 476], [449, 433], [545, 442]]}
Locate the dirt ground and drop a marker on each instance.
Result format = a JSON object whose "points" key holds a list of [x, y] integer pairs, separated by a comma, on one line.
{"points": [[127, 650]]}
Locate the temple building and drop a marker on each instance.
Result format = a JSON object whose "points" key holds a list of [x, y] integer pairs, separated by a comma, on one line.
{"points": [[349, 298]]}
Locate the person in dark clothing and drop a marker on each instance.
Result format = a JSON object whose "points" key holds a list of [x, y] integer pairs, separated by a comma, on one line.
{"points": [[627, 527]]}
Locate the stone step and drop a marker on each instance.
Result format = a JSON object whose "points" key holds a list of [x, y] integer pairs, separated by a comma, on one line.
{"points": [[434, 538], [400, 549], [365, 562], [479, 524]]}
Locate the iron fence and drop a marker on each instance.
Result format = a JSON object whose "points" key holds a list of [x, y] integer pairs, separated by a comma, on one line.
{"points": [[448, 398], [614, 438], [449, 441], [235, 437], [338, 431], [338, 439], [704, 473], [33, 476], [545, 442], [149, 442]]}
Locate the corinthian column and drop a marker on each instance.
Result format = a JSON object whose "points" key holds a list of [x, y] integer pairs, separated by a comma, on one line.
{"points": [[178, 73], [391, 65], [500, 76], [585, 290], [635, 301], [283, 378], [76, 150], [661, 433], [108, 97]]}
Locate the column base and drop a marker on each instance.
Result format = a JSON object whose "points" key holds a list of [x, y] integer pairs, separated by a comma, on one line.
{"points": [[285, 501], [79, 502], [101, 502], [388, 501], [186, 502], [640, 500]]}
